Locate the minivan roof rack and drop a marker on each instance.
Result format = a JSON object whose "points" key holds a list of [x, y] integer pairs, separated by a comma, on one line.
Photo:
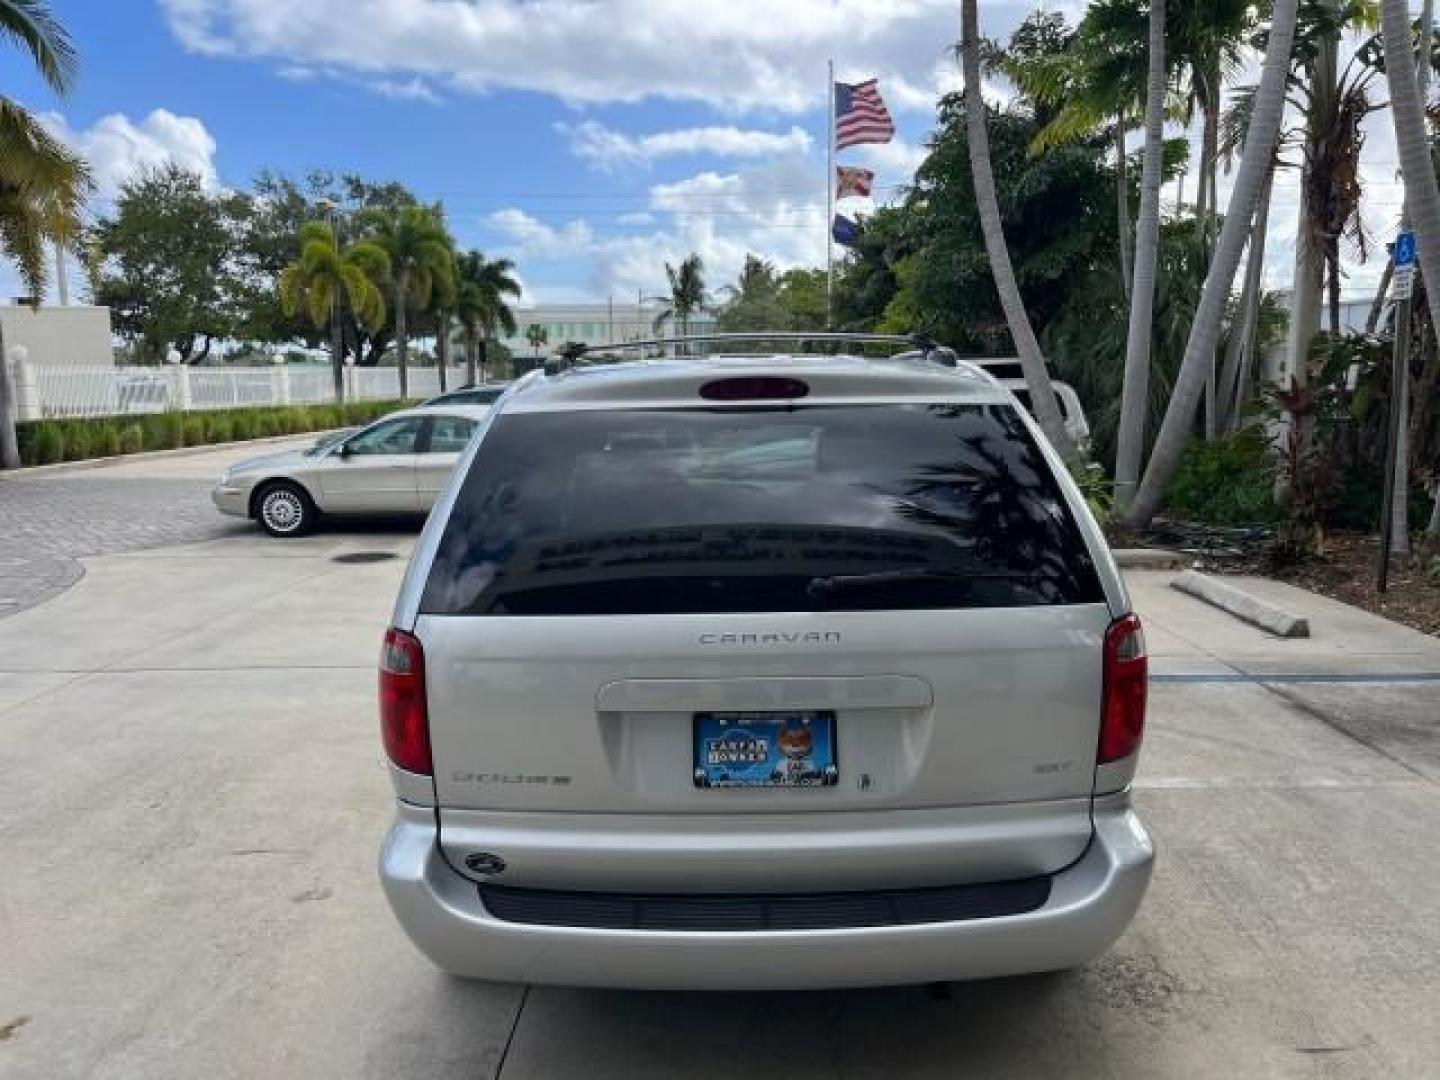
{"points": [[922, 346]]}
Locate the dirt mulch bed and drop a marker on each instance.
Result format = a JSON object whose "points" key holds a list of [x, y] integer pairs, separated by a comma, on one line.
{"points": [[1346, 571]]}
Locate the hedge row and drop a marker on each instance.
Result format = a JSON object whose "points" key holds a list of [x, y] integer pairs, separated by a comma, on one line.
{"points": [[45, 441]]}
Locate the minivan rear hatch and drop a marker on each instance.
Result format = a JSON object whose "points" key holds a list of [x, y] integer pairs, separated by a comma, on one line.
{"points": [[824, 607]]}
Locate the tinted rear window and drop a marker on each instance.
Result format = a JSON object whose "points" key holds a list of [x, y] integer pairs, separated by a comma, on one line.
{"points": [[814, 508]]}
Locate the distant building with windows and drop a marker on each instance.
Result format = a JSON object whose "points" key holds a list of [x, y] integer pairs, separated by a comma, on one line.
{"points": [[594, 324]]}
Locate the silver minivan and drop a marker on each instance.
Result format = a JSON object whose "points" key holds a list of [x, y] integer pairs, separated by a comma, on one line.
{"points": [[738, 672]]}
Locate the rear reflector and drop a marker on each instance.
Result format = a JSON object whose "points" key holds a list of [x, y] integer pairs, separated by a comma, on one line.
{"points": [[1127, 671], [404, 721], [754, 388]]}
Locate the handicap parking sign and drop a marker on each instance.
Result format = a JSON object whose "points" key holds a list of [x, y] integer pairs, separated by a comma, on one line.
{"points": [[1405, 249]]}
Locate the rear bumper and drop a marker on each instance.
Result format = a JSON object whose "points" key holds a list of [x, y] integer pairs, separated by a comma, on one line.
{"points": [[1090, 904]]}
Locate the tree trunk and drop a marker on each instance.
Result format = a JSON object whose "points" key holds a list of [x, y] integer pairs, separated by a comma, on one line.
{"points": [[442, 345], [1210, 160], [1422, 197], [1202, 190], [1239, 353], [470, 349], [1205, 330], [9, 443], [1310, 247], [1377, 306], [1332, 258], [1032, 361], [1135, 393], [402, 337], [1122, 205], [337, 353]]}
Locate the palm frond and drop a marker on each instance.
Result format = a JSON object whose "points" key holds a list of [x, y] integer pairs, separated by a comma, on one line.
{"points": [[35, 28]]}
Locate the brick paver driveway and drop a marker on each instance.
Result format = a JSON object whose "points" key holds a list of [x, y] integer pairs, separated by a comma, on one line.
{"points": [[48, 521]]}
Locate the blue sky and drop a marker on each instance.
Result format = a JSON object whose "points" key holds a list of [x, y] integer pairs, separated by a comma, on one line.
{"points": [[590, 140]]}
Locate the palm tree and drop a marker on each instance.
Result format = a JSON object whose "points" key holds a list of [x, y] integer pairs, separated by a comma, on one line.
{"points": [[1210, 312], [421, 258], [1136, 387], [1032, 362], [687, 294], [443, 300], [42, 184], [480, 302], [325, 277], [1083, 82], [1335, 104], [537, 335], [1422, 196]]}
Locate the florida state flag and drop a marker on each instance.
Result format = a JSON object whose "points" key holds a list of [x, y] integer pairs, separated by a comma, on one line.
{"points": [[853, 181]]}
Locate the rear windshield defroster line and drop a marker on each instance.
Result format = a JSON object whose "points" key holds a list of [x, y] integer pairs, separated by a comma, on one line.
{"points": [[816, 508]]}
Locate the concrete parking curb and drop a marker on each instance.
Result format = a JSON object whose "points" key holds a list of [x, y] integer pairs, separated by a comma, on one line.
{"points": [[1148, 559], [150, 455], [1242, 605]]}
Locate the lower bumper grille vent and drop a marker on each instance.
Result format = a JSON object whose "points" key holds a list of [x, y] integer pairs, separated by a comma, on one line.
{"points": [[764, 911]]}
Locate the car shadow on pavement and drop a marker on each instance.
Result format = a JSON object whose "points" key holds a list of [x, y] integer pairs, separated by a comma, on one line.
{"points": [[1030, 1025]]}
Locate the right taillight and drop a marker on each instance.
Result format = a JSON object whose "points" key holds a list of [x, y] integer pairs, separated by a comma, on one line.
{"points": [[1122, 717], [404, 719]]}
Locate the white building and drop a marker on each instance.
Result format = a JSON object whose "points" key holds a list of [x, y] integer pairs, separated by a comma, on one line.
{"points": [[51, 336], [594, 324]]}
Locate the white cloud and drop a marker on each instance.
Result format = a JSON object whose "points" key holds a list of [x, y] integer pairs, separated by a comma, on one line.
{"points": [[896, 160], [737, 55], [538, 240], [776, 210], [118, 148], [606, 148], [413, 89]]}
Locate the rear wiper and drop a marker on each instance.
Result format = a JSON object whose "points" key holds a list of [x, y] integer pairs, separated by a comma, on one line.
{"points": [[835, 583]]}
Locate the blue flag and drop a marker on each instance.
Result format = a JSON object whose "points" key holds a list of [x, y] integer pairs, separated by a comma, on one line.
{"points": [[845, 231]]}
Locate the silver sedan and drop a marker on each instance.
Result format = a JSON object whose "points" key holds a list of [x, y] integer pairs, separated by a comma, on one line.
{"points": [[397, 465]]}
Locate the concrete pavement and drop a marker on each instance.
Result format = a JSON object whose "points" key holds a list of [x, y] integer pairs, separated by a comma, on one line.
{"points": [[194, 794]]}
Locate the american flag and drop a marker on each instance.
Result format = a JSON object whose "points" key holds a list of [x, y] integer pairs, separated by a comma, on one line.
{"points": [[860, 115], [851, 181]]}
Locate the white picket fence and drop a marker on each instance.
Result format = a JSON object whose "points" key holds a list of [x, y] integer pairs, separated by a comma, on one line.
{"points": [[48, 391]]}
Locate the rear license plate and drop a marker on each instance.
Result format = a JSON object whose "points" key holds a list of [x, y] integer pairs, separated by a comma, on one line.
{"points": [[765, 749]]}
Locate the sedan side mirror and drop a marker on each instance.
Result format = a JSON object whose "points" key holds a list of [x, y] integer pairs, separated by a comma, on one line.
{"points": [[344, 450]]}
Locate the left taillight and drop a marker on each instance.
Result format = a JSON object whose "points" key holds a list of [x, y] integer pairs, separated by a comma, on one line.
{"points": [[404, 720], [1126, 679]]}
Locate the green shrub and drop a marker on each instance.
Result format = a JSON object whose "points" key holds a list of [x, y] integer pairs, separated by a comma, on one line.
{"points": [[1226, 482], [243, 426], [49, 445], [46, 441], [171, 432], [75, 437], [219, 427]]}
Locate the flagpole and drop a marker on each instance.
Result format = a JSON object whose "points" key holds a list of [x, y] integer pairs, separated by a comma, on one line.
{"points": [[830, 200]]}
